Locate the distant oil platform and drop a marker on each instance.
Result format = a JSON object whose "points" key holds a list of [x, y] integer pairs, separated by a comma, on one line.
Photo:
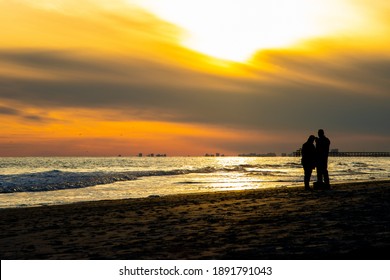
{"points": [[152, 155]]}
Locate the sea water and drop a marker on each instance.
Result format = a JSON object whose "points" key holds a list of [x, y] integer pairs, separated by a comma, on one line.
{"points": [[36, 181]]}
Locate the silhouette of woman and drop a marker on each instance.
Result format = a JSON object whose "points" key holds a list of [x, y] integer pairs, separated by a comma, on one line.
{"points": [[308, 159]]}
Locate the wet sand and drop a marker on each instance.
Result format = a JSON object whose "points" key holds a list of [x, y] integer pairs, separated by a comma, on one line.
{"points": [[351, 221]]}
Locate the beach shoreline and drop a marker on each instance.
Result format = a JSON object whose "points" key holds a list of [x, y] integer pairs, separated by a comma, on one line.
{"points": [[351, 221]]}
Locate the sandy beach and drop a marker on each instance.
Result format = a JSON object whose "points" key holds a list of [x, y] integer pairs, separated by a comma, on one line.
{"points": [[351, 221]]}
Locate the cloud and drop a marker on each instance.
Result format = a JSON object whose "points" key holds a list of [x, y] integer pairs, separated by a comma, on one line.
{"points": [[356, 72], [11, 112], [344, 93], [54, 60], [8, 111]]}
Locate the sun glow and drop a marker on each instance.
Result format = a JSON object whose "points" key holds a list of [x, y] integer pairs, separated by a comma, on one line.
{"points": [[235, 30]]}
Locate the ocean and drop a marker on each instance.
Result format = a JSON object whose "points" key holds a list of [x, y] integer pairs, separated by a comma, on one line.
{"points": [[38, 181]]}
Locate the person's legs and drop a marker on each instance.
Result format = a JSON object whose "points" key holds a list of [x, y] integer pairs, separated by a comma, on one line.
{"points": [[320, 174], [308, 172], [326, 177]]}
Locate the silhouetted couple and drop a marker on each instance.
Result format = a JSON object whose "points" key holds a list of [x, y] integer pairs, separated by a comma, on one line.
{"points": [[316, 157]]}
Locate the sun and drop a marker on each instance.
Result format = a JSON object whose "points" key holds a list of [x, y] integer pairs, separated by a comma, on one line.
{"points": [[236, 29]]}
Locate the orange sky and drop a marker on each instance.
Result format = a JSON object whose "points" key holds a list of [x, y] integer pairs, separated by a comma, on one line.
{"points": [[103, 78]]}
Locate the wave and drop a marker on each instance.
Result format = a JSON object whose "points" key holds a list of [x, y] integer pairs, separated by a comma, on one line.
{"points": [[60, 180], [57, 180]]}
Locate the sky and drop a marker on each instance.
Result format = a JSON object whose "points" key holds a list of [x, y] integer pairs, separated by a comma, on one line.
{"points": [[122, 77]]}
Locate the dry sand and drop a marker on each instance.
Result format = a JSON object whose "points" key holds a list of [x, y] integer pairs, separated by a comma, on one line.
{"points": [[351, 221]]}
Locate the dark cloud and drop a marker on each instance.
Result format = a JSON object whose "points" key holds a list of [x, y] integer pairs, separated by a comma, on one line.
{"points": [[20, 114], [36, 118], [8, 111], [59, 62], [347, 94]]}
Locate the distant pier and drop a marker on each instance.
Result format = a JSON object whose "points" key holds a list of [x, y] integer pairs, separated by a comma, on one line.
{"points": [[335, 153], [359, 154]]}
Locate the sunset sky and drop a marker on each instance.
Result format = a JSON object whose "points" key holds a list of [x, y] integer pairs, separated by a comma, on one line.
{"points": [[102, 78]]}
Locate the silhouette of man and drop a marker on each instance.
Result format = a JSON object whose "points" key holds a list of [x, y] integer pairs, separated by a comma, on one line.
{"points": [[322, 149], [308, 159]]}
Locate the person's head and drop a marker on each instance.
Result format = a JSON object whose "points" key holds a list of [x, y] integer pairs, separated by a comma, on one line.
{"points": [[311, 139], [321, 133]]}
